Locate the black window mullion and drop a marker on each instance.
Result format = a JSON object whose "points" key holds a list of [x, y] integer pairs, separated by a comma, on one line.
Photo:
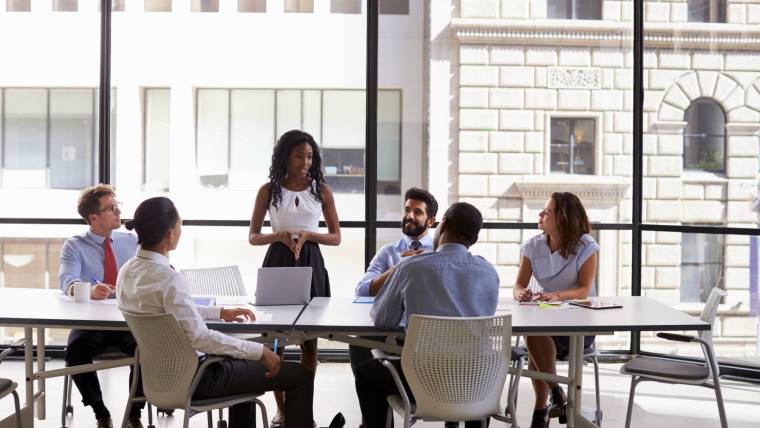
{"points": [[104, 127], [638, 171], [370, 167]]}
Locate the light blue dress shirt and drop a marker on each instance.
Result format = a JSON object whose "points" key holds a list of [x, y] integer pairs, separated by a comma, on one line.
{"points": [[554, 272], [389, 255], [449, 282], [82, 256]]}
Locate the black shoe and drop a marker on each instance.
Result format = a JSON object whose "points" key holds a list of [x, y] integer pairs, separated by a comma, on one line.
{"points": [[540, 419], [558, 404], [276, 424], [104, 422]]}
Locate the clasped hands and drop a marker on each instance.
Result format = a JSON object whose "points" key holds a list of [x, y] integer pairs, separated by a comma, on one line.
{"points": [[294, 240], [526, 295]]}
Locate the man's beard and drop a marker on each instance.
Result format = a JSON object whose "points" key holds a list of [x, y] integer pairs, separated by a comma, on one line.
{"points": [[417, 231]]}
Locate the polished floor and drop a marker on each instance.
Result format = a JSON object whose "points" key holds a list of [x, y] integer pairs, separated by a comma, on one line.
{"points": [[656, 405]]}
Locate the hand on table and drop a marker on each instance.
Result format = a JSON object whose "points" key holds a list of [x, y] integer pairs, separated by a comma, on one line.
{"points": [[552, 296], [101, 291], [237, 314], [524, 295]]}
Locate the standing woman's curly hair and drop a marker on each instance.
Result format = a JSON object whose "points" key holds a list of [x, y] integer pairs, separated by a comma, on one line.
{"points": [[572, 221], [279, 168]]}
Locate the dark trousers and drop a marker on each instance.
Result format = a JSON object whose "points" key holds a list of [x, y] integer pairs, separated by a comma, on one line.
{"points": [[83, 346], [232, 377], [373, 384]]}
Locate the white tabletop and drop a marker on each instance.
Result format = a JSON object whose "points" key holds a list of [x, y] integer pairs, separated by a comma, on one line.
{"points": [[50, 308], [637, 314]]}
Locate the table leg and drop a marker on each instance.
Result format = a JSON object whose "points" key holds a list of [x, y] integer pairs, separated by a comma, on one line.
{"points": [[40, 369], [29, 370], [575, 417]]}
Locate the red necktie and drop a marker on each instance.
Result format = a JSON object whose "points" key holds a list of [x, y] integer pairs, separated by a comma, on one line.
{"points": [[109, 264]]}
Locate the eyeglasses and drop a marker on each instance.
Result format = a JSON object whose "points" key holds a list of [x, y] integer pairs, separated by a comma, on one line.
{"points": [[111, 208], [544, 212]]}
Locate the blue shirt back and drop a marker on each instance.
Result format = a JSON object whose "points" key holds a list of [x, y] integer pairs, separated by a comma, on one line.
{"points": [[449, 282], [82, 256]]}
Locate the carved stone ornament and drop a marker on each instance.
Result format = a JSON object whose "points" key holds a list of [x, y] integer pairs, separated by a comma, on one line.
{"points": [[575, 78]]}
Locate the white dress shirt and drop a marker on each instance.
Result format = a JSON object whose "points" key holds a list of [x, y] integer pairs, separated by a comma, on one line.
{"points": [[148, 284]]}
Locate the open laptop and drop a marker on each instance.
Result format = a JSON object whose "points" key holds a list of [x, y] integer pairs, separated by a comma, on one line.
{"points": [[283, 286]]}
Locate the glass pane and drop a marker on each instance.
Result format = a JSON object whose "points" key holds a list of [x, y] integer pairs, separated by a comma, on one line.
{"points": [[26, 133], [18, 5], [65, 5], [680, 269], [72, 138], [213, 136], [259, 6], [393, 7], [701, 121], [404, 157], [584, 142], [227, 111], [158, 5], [559, 9], [345, 6], [560, 141], [157, 142], [251, 135], [299, 6], [205, 6], [29, 258]]}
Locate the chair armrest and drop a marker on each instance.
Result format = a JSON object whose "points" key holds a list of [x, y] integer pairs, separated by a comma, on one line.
{"points": [[13, 347], [677, 337], [399, 385], [382, 355]]}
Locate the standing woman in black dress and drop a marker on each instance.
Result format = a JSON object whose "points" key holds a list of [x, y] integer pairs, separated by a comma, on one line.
{"points": [[295, 197]]}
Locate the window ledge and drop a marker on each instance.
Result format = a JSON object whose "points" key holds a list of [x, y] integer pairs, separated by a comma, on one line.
{"points": [[586, 187], [703, 177]]}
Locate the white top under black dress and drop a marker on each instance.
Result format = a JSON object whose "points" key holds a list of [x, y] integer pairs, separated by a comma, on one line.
{"points": [[298, 211]]}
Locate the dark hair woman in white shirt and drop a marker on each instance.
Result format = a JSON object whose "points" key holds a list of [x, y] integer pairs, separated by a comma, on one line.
{"points": [[295, 197], [148, 284]]}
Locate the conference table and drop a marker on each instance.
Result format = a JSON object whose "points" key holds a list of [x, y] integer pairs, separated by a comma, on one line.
{"points": [[334, 318]]}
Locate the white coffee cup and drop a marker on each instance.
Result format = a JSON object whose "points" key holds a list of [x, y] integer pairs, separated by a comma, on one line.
{"points": [[81, 291]]}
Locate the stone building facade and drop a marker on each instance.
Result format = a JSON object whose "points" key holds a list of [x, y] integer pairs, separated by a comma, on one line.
{"points": [[525, 73]]}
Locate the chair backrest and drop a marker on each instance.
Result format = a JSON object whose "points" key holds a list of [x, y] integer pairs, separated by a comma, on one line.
{"points": [[709, 312], [167, 360], [456, 367], [216, 281]]}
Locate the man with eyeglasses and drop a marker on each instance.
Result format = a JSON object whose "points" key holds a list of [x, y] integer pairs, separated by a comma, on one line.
{"points": [[96, 256]]}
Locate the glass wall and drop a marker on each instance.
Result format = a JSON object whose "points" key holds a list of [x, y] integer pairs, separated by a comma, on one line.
{"points": [[495, 103]]}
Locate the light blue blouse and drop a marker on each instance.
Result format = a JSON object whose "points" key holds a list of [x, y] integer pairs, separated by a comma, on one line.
{"points": [[554, 272]]}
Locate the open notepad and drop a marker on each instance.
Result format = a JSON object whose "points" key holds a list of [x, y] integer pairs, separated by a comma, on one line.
{"points": [[595, 304]]}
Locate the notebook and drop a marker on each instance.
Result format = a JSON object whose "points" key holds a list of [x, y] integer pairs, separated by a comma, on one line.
{"points": [[595, 304]]}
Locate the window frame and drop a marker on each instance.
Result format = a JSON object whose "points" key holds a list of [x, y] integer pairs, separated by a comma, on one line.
{"points": [[598, 155]]}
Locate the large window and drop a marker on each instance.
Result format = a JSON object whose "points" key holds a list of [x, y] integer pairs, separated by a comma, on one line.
{"points": [[701, 266], [707, 10], [704, 140], [49, 138], [236, 126], [574, 9], [156, 151]]}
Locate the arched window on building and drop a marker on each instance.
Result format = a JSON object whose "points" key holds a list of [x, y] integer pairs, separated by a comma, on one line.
{"points": [[574, 9], [707, 10], [704, 139]]}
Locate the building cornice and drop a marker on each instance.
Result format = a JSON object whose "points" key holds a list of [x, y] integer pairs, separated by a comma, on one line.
{"points": [[586, 187], [550, 32]]}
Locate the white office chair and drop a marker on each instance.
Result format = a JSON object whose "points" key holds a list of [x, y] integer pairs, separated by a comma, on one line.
{"points": [[170, 372], [668, 371], [455, 368], [7, 386], [216, 281]]}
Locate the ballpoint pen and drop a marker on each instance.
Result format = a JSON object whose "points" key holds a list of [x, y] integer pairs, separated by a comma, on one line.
{"points": [[275, 345], [93, 280]]}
